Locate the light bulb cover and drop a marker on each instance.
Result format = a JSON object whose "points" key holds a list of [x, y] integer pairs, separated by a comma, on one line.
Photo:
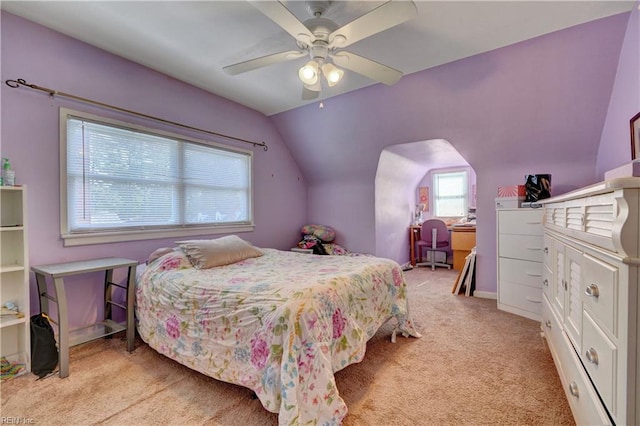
{"points": [[314, 87], [309, 73], [332, 74]]}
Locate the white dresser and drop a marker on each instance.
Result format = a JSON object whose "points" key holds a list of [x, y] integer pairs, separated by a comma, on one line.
{"points": [[520, 246], [590, 315]]}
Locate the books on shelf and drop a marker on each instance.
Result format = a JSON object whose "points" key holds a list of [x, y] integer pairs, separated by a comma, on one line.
{"points": [[465, 284]]}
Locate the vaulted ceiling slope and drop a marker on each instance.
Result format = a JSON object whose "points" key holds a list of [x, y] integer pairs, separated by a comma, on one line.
{"points": [[542, 100], [193, 40]]}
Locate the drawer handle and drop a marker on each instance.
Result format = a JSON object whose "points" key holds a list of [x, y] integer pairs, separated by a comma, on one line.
{"points": [[548, 323], [533, 274], [545, 282], [534, 248], [592, 291], [592, 356], [573, 388], [533, 300], [546, 250]]}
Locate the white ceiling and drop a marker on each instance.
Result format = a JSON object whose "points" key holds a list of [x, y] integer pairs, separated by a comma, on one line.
{"points": [[192, 41]]}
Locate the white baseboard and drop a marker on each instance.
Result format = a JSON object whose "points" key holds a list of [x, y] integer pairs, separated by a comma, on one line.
{"points": [[485, 295]]}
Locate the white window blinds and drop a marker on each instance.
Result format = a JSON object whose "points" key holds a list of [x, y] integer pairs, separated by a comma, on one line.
{"points": [[120, 178]]}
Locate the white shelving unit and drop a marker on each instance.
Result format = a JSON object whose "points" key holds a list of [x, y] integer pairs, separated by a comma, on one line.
{"points": [[14, 276]]}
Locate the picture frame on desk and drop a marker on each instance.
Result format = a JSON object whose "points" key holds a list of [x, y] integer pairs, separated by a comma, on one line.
{"points": [[634, 125]]}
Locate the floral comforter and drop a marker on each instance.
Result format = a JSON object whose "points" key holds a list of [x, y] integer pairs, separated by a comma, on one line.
{"points": [[280, 324]]}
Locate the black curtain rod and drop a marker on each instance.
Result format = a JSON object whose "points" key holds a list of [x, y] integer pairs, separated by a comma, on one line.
{"points": [[21, 82]]}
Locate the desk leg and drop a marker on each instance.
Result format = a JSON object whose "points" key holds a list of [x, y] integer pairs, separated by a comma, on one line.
{"points": [[412, 246], [108, 292], [41, 280], [131, 294], [63, 326]]}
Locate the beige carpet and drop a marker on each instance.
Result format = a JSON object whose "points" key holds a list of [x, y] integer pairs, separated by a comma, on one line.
{"points": [[474, 365]]}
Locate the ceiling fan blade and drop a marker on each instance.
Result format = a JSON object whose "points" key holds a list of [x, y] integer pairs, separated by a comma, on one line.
{"points": [[367, 67], [263, 61], [279, 14], [383, 17]]}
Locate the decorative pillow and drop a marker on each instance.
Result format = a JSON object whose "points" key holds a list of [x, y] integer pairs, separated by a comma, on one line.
{"points": [[159, 253], [175, 259], [335, 249], [323, 232], [205, 254]]}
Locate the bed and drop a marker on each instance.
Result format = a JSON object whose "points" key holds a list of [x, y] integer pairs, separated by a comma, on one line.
{"points": [[281, 323]]}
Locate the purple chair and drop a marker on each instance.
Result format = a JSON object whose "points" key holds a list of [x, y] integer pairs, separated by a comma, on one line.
{"points": [[434, 237]]}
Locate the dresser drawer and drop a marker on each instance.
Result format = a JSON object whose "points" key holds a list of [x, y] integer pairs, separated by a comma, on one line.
{"points": [[547, 281], [547, 250], [463, 240], [521, 296], [526, 247], [583, 399], [552, 330], [600, 293], [524, 272], [599, 356], [581, 395], [521, 222]]}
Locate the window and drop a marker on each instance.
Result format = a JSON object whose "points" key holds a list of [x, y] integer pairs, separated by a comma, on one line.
{"points": [[124, 182], [450, 194]]}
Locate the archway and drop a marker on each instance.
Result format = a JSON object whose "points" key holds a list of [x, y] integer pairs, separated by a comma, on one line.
{"points": [[400, 169]]}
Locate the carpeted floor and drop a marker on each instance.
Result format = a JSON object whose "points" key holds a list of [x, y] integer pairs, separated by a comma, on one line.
{"points": [[474, 365]]}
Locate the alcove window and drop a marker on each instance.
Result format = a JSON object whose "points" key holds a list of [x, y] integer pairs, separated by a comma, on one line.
{"points": [[450, 194]]}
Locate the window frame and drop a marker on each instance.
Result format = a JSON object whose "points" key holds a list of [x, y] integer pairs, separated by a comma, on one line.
{"points": [[120, 235], [465, 197]]}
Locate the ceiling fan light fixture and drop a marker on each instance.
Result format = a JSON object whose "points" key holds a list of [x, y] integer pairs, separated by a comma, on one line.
{"points": [[332, 74], [309, 73]]}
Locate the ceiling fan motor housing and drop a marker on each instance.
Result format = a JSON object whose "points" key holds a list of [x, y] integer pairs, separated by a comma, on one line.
{"points": [[321, 29], [317, 8]]}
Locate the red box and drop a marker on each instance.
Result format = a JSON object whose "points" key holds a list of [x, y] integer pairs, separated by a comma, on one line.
{"points": [[512, 191]]}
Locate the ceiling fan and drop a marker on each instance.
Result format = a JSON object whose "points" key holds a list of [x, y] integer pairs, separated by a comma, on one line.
{"points": [[322, 39]]}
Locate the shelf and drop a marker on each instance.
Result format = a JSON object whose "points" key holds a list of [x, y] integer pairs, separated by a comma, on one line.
{"points": [[95, 331], [11, 268], [8, 321], [19, 364], [11, 228]]}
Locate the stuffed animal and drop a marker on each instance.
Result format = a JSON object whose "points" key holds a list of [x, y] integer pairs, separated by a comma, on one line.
{"points": [[313, 237]]}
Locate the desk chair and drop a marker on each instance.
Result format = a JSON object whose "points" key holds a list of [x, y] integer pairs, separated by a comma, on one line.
{"points": [[434, 237]]}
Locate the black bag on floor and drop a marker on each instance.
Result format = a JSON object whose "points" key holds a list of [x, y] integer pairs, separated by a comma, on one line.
{"points": [[44, 352]]}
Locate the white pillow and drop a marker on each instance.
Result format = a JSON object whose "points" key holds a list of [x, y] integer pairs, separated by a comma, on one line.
{"points": [[204, 254]]}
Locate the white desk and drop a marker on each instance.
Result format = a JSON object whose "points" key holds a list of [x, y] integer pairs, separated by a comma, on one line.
{"points": [[104, 328]]}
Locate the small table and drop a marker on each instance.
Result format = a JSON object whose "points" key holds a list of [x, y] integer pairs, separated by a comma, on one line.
{"points": [[105, 328]]}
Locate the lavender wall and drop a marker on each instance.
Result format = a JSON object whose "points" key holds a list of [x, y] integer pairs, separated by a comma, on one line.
{"points": [[537, 106], [534, 107], [615, 144], [30, 139]]}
